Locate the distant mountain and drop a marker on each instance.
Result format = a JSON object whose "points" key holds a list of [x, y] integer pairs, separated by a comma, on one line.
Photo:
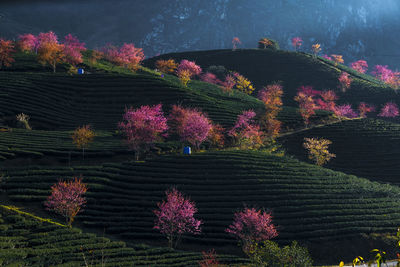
{"points": [[356, 29]]}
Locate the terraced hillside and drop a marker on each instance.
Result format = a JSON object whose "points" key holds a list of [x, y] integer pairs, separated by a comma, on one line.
{"points": [[63, 102], [363, 147], [31, 241], [264, 66], [309, 203]]}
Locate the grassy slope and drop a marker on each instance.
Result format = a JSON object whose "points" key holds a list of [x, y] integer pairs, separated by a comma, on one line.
{"points": [[27, 240], [368, 148], [293, 69], [309, 203]]}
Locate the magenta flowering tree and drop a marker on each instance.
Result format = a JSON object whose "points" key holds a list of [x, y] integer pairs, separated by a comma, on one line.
{"points": [[73, 49], [345, 111], [143, 127], [252, 225], [67, 198], [190, 66], [191, 125], [175, 217], [360, 66], [246, 132], [392, 78], [365, 108], [327, 57], [235, 42], [209, 77], [296, 43], [344, 81], [127, 55], [28, 42], [389, 110]]}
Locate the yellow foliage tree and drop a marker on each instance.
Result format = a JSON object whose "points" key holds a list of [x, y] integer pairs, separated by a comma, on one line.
{"points": [[318, 150], [184, 76], [316, 48], [337, 59], [166, 66], [244, 85], [82, 136]]}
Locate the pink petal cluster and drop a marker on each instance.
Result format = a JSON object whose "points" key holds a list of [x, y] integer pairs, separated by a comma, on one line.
{"points": [[360, 66], [28, 42], [67, 198], [190, 66], [327, 57], [229, 83], [191, 125], [175, 215], [252, 225], [209, 77], [365, 108], [345, 81], [387, 75], [143, 126], [346, 111], [389, 110], [127, 55], [296, 42], [73, 49], [244, 123]]}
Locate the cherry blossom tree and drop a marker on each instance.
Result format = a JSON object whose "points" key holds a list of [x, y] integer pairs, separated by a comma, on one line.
{"points": [[246, 132], [360, 65], [67, 198], [209, 77], [327, 101], [365, 108], [296, 43], [345, 81], [73, 49], [175, 217], [6, 51], [190, 66], [50, 51], [389, 110], [229, 83], [327, 57], [252, 225], [127, 56], [191, 125], [392, 78], [28, 42], [345, 111], [209, 259], [307, 105], [235, 42], [143, 126]]}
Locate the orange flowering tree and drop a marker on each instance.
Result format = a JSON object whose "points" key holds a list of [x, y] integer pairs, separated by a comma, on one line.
{"points": [[6, 50], [82, 136], [166, 66], [316, 48], [50, 51], [271, 95], [337, 59]]}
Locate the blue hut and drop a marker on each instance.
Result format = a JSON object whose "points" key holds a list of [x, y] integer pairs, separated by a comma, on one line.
{"points": [[187, 150]]}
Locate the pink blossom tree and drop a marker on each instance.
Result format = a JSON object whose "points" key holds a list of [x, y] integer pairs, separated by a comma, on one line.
{"points": [[252, 225], [235, 42], [190, 66], [246, 133], [143, 126], [365, 108], [345, 81], [345, 111], [73, 49], [127, 56], [175, 217], [389, 110], [228, 83], [392, 78], [191, 125], [209, 77], [28, 42], [361, 66], [327, 57], [67, 198], [296, 42]]}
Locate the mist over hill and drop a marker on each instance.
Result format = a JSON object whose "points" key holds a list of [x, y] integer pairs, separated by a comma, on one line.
{"points": [[357, 29]]}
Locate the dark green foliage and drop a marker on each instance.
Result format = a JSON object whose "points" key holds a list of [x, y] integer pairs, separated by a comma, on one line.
{"points": [[25, 241], [273, 46], [270, 254], [363, 147], [308, 203]]}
